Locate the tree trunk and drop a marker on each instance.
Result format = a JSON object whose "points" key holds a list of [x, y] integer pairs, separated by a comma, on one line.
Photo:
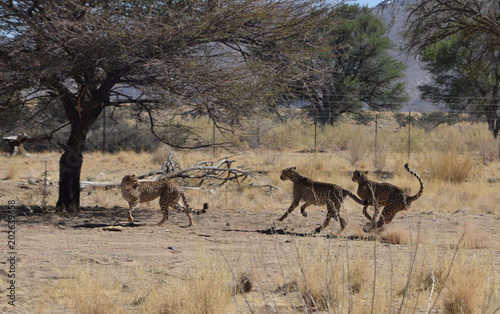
{"points": [[494, 124], [70, 164]]}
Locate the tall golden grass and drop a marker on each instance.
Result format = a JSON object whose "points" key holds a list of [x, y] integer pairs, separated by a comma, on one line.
{"points": [[13, 171], [451, 167], [336, 277], [208, 289], [317, 274], [460, 174], [440, 170], [93, 288]]}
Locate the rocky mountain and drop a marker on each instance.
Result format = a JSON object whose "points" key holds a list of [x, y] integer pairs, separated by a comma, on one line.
{"points": [[395, 16]]}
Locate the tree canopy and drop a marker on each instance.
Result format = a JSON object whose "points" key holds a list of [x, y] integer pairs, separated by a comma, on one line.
{"points": [[459, 41], [82, 56], [359, 69]]}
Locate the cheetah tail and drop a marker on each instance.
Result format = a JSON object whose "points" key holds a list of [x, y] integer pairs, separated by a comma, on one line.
{"points": [[410, 199], [204, 210], [355, 198], [196, 212]]}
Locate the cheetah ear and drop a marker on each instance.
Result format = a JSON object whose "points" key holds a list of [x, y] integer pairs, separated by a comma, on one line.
{"points": [[294, 168], [366, 172]]}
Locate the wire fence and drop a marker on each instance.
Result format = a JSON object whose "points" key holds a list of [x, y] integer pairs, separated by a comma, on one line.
{"points": [[290, 130]]}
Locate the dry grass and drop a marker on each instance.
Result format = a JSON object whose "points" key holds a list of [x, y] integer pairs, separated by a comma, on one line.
{"points": [[395, 235], [447, 138], [481, 140], [474, 236], [381, 156], [87, 288], [94, 288], [160, 155], [13, 172], [440, 171], [318, 273], [207, 290], [469, 286], [335, 277], [452, 167], [322, 281]]}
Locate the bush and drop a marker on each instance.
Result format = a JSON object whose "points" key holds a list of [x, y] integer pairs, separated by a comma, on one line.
{"points": [[451, 167], [353, 142], [207, 290]]}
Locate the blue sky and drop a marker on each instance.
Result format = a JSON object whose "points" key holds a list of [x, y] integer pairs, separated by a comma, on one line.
{"points": [[370, 3]]}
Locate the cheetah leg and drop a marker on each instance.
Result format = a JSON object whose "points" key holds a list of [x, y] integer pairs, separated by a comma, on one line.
{"points": [[332, 213], [366, 213], [190, 216], [164, 209], [187, 209], [375, 213], [325, 223], [131, 209], [290, 209], [387, 216], [303, 209], [329, 215], [165, 217], [336, 207], [339, 219], [342, 223]]}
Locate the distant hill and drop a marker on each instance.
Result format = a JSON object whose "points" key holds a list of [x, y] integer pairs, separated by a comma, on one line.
{"points": [[415, 73]]}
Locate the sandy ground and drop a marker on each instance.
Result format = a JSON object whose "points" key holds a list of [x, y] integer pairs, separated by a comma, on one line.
{"points": [[47, 245]]}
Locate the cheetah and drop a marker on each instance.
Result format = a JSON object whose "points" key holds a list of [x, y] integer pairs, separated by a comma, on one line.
{"points": [[169, 192], [379, 194], [316, 193]]}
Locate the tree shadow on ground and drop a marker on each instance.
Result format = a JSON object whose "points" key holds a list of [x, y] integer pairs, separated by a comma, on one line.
{"points": [[276, 231]]}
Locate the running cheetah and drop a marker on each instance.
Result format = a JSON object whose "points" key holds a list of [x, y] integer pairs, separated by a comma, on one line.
{"points": [[169, 192], [379, 194], [316, 193]]}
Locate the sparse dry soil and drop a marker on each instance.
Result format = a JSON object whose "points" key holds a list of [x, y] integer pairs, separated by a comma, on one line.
{"points": [[48, 245]]}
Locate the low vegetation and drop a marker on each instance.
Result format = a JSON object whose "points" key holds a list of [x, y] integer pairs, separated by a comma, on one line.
{"points": [[423, 273], [317, 274]]}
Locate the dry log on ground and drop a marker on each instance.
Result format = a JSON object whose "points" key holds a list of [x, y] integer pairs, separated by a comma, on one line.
{"points": [[206, 174]]}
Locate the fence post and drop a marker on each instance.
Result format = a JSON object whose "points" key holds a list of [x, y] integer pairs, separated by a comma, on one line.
{"points": [[409, 134], [315, 131], [376, 135], [213, 139]]}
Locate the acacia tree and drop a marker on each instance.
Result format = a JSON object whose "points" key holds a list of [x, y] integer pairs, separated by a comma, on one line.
{"points": [[459, 40], [358, 69], [87, 55]]}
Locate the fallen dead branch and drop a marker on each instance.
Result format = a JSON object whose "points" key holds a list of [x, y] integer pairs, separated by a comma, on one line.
{"points": [[204, 174]]}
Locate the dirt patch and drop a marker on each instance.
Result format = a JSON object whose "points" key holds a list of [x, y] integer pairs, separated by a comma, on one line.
{"points": [[48, 244], [475, 237]]}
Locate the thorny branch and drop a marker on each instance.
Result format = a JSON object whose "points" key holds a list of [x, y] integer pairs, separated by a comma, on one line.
{"points": [[205, 173]]}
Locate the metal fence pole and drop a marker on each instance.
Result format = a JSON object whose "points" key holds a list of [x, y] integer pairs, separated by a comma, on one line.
{"points": [[213, 139], [409, 134], [315, 132], [376, 135]]}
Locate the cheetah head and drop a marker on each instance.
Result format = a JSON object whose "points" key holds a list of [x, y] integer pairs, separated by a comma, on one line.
{"points": [[359, 176], [288, 173], [131, 181]]}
